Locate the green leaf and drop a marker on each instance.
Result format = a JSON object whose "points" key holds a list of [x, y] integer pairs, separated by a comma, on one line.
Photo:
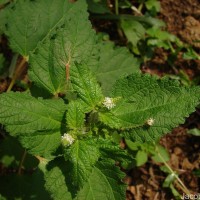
{"points": [[56, 185], [190, 54], [51, 63], [85, 84], [36, 121], [133, 30], [156, 32], [75, 115], [147, 97], [112, 151], [161, 154], [122, 117], [34, 22], [169, 180], [112, 63], [82, 156], [99, 7], [141, 158], [153, 4], [104, 183], [194, 131], [133, 146]]}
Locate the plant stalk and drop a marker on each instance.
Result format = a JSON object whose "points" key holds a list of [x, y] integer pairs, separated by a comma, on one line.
{"points": [[180, 183], [116, 7], [21, 163], [18, 71]]}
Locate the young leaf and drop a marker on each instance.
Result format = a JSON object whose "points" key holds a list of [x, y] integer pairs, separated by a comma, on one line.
{"points": [[194, 131], [85, 84], [56, 185], [34, 21], [113, 63], [141, 158], [161, 154], [36, 121], [133, 30], [51, 63], [82, 157], [163, 101], [104, 183], [75, 115]]}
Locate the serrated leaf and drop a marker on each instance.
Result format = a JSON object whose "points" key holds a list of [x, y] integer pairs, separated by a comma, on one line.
{"points": [[75, 115], [163, 100], [82, 157], [35, 21], [85, 84], [36, 121], [112, 63], [41, 144], [51, 63], [104, 183], [123, 116], [110, 150], [56, 185]]}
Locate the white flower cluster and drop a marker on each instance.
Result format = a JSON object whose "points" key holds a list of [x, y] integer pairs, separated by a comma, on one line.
{"points": [[109, 103], [67, 139], [150, 121]]}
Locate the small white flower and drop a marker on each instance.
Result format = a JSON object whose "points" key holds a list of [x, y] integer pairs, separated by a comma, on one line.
{"points": [[109, 103], [67, 139], [150, 121]]}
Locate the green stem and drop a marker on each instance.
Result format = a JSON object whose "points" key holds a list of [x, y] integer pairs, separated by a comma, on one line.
{"points": [[140, 7], [181, 184], [116, 7], [18, 71], [21, 163]]}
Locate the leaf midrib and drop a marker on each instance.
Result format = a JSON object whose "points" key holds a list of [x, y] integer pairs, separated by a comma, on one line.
{"points": [[33, 113]]}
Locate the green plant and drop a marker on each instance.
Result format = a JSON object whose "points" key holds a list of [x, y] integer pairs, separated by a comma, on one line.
{"points": [[85, 95]]}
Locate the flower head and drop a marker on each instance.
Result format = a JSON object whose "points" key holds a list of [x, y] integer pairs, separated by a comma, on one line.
{"points": [[150, 121], [67, 139], [109, 103]]}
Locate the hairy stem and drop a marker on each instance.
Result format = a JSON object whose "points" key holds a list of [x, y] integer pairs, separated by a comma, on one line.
{"points": [[21, 163], [17, 73]]}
